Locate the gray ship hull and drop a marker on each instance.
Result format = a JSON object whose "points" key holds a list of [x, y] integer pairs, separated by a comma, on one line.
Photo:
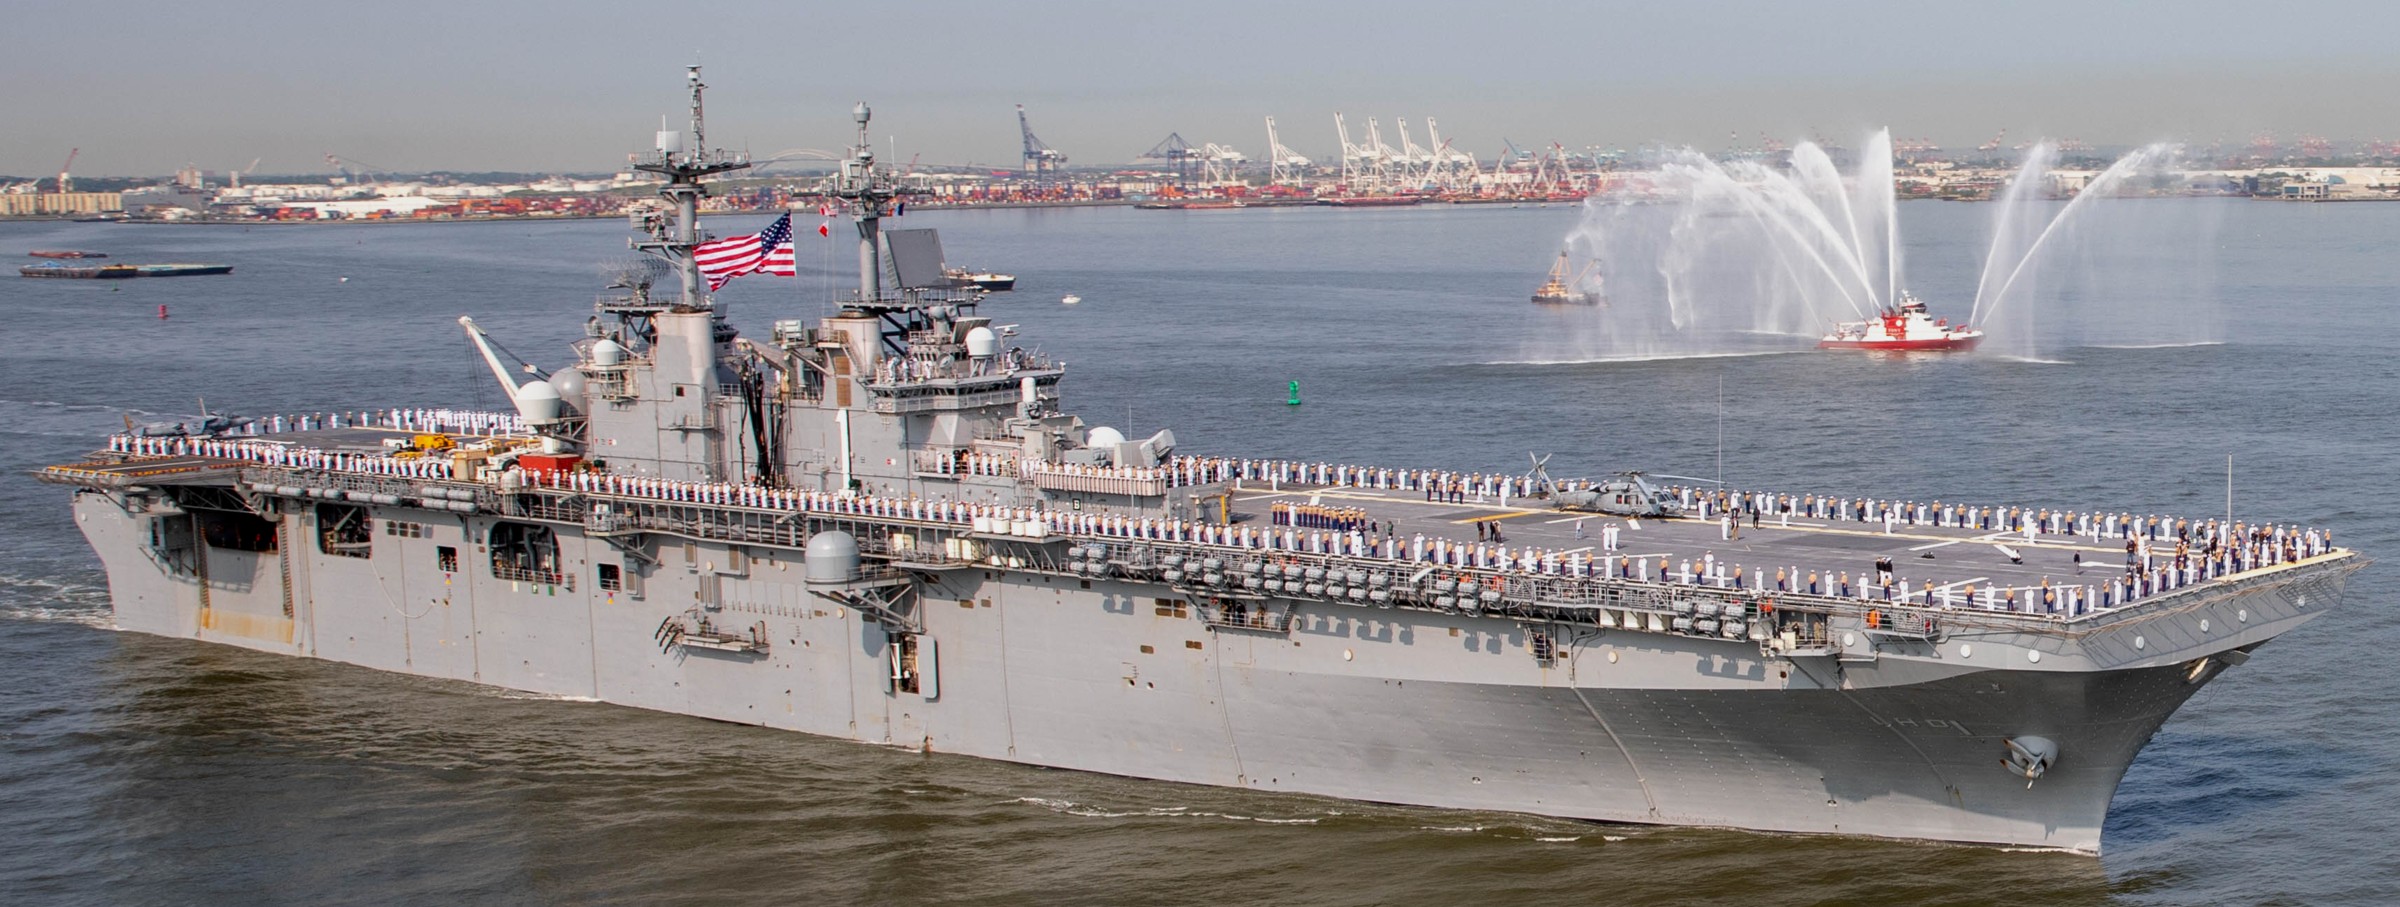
{"points": [[1392, 705]]}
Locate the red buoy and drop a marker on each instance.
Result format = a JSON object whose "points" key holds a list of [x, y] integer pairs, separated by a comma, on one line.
{"points": [[162, 311]]}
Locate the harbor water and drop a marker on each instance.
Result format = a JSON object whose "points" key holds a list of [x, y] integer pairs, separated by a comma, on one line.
{"points": [[140, 770]]}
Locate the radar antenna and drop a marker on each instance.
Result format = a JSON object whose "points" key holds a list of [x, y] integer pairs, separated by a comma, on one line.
{"points": [[869, 190], [636, 274], [683, 166]]}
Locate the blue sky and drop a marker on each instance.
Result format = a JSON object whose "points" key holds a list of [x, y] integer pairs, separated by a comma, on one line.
{"points": [[144, 86]]}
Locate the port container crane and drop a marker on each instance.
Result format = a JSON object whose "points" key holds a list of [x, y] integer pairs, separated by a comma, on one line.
{"points": [[1284, 168], [1178, 154], [1039, 157], [66, 182]]}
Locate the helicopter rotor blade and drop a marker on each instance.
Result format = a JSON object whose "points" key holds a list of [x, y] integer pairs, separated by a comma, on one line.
{"points": [[1661, 475]]}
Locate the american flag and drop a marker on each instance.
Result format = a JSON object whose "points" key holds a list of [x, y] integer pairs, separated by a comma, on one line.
{"points": [[769, 250]]}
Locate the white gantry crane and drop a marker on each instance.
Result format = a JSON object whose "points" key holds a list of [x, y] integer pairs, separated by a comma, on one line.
{"points": [[1220, 165], [1373, 165], [1416, 164], [1450, 170], [1285, 168]]}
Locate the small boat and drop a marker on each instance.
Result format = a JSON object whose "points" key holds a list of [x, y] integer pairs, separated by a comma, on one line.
{"points": [[120, 272], [65, 253], [1071, 299], [1906, 327], [1560, 291], [1202, 204], [182, 269], [963, 279]]}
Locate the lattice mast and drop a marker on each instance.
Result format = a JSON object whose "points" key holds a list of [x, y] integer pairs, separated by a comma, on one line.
{"points": [[684, 166]]}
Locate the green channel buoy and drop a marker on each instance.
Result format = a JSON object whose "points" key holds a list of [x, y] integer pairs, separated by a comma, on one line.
{"points": [[1295, 401]]}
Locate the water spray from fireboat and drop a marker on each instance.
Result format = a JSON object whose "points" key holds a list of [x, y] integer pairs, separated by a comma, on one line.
{"points": [[1708, 258]]}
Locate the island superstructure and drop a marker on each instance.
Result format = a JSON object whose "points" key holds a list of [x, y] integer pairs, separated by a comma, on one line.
{"points": [[884, 526]]}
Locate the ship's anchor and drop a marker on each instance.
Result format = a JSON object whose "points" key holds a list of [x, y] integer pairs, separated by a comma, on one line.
{"points": [[2030, 757]]}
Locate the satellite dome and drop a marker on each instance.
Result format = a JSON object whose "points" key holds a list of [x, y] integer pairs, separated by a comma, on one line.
{"points": [[608, 352], [832, 557], [1103, 436], [570, 386], [983, 342], [537, 401]]}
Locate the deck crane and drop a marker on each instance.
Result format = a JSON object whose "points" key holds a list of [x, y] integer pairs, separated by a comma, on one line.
{"points": [[1039, 157], [66, 182]]}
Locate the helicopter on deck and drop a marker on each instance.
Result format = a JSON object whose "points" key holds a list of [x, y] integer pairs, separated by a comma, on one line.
{"points": [[1622, 494], [208, 423]]}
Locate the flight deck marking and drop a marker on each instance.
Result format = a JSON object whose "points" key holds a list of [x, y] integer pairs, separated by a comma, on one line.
{"points": [[1498, 517], [1987, 537]]}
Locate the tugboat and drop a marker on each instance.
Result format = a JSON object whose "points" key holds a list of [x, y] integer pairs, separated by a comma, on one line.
{"points": [[1906, 327], [1558, 291]]}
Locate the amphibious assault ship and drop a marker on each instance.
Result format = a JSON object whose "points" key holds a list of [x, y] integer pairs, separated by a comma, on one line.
{"points": [[884, 526]]}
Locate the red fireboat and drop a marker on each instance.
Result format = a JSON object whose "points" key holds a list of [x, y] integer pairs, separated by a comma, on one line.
{"points": [[1904, 328]]}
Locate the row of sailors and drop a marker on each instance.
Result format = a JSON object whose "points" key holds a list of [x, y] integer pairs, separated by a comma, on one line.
{"points": [[1348, 541], [2029, 521], [921, 366], [2071, 600], [1883, 585], [1436, 484], [976, 464], [271, 453], [1189, 470], [1318, 516], [455, 421], [2261, 545], [998, 465]]}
